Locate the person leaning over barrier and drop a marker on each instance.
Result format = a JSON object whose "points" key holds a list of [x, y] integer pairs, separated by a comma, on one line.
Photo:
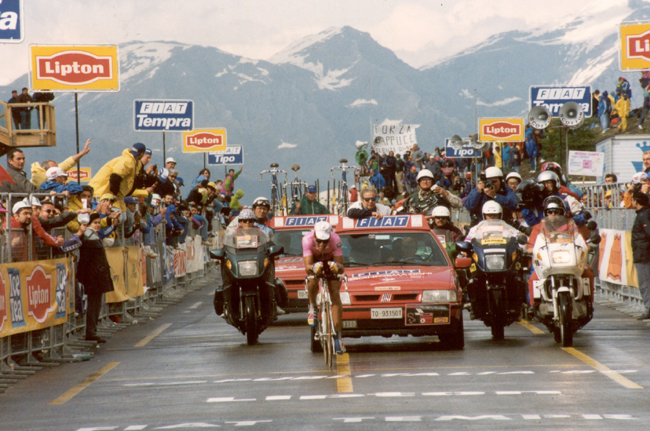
{"points": [[39, 170], [641, 247], [368, 206], [56, 183], [640, 183], [49, 220]]}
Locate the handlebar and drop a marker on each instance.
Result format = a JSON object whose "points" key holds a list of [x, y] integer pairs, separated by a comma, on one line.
{"points": [[273, 171], [340, 277], [344, 168]]}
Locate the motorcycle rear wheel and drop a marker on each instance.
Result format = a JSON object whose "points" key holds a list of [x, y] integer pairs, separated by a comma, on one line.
{"points": [[566, 319], [251, 320], [498, 312]]}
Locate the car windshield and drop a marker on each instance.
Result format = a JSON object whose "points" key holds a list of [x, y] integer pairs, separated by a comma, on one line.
{"points": [[245, 238], [492, 232], [392, 249], [291, 240], [558, 229]]}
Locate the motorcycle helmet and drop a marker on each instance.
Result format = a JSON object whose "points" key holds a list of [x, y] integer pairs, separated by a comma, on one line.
{"points": [[554, 167], [261, 202], [513, 175], [554, 203], [424, 173], [441, 211], [492, 207], [549, 176], [529, 192], [247, 214], [493, 172]]}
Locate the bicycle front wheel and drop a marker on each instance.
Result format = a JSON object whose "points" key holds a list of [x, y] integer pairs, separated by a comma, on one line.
{"points": [[327, 339]]}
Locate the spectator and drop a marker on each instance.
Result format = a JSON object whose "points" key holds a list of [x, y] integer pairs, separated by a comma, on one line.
{"points": [[309, 204], [15, 112], [515, 156], [56, 182], [23, 220], [26, 112], [234, 200], [391, 168], [646, 162], [15, 165], [498, 158], [381, 199], [595, 100], [229, 184], [410, 180], [368, 206], [131, 225], [624, 87], [39, 169], [399, 173], [646, 106], [49, 219], [118, 176], [204, 175], [94, 272], [622, 108], [354, 193], [165, 183], [417, 155], [42, 97], [435, 167], [531, 148], [641, 247], [640, 183], [505, 157], [170, 163], [610, 179], [377, 180], [78, 202]]}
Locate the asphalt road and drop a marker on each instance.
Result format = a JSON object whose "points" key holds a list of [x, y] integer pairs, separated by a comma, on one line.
{"points": [[193, 371]]}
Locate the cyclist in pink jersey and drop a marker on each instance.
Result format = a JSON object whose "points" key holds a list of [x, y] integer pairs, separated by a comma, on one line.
{"points": [[321, 250]]}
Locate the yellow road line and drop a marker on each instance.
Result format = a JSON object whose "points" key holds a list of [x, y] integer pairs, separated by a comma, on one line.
{"points": [[83, 385], [532, 328], [343, 384], [602, 369], [153, 335]]}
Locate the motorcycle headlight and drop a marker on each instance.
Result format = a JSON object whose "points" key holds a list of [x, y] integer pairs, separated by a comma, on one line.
{"points": [[495, 262], [561, 256], [345, 298], [247, 268], [439, 296]]}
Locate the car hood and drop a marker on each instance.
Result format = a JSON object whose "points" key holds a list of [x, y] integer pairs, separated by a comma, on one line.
{"points": [[290, 268], [399, 278]]}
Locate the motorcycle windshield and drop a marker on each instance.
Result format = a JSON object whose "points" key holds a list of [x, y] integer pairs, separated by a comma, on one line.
{"points": [[558, 229], [492, 232], [245, 238]]}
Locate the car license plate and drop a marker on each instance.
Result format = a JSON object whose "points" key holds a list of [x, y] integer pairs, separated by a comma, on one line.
{"points": [[385, 313], [302, 294]]}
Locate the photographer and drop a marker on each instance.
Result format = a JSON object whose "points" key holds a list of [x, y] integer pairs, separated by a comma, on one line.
{"points": [[492, 188], [640, 183]]}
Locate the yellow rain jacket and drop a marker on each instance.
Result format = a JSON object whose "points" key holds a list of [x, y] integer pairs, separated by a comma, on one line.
{"points": [[127, 167], [38, 173]]}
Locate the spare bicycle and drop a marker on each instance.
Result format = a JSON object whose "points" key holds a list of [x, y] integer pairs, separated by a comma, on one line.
{"points": [[276, 197], [342, 201], [296, 187]]}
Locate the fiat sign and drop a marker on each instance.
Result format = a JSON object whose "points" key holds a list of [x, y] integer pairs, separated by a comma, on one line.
{"points": [[74, 68], [11, 21], [204, 140], [501, 129]]}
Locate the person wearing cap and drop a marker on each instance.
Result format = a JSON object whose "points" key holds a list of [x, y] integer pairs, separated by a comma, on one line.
{"points": [[429, 196], [308, 204], [323, 256], [354, 194], [94, 272], [39, 170], [23, 219], [119, 174], [640, 182], [56, 182], [132, 225], [229, 183], [513, 179], [493, 188], [147, 175], [170, 163], [166, 183]]}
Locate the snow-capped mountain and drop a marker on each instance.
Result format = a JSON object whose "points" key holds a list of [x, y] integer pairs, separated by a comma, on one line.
{"points": [[311, 102]]}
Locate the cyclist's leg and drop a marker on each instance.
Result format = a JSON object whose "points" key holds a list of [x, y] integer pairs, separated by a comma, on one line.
{"points": [[337, 307], [312, 290]]}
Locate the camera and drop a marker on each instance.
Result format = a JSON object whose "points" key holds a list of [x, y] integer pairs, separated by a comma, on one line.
{"points": [[489, 185]]}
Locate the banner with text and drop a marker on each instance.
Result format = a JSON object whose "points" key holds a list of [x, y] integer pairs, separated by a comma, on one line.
{"points": [[634, 46], [163, 115], [501, 129], [84, 173], [11, 21], [234, 155], [34, 295], [204, 140], [586, 163], [553, 98], [399, 139]]}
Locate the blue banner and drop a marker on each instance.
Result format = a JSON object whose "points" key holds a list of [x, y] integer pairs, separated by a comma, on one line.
{"points": [[554, 97], [467, 152], [163, 115], [234, 155], [11, 21]]}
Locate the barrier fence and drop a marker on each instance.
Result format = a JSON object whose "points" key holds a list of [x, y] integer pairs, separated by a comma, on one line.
{"points": [[42, 308]]}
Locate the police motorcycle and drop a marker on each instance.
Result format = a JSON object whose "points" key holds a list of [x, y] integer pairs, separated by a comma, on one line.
{"points": [[248, 271], [497, 286], [560, 255]]}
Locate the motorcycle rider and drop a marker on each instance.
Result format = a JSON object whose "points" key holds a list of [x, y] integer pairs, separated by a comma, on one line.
{"points": [[428, 196], [447, 233], [565, 185], [492, 189], [513, 179], [322, 254]]}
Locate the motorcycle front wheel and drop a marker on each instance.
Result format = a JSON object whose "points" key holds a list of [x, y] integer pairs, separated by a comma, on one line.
{"points": [[566, 319], [251, 320], [498, 310]]}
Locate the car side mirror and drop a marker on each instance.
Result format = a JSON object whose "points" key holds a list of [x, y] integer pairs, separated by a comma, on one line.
{"points": [[218, 254], [464, 246], [463, 262], [522, 240], [275, 250]]}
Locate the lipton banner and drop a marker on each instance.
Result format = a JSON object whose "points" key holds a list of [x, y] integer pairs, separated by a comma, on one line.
{"points": [[34, 295], [84, 173], [204, 140], [74, 68], [501, 129], [634, 46]]}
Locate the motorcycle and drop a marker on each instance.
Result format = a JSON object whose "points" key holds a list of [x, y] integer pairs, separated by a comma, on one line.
{"points": [[248, 274], [560, 255], [497, 285]]}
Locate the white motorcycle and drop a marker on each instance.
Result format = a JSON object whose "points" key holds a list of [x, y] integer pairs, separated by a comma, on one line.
{"points": [[560, 255]]}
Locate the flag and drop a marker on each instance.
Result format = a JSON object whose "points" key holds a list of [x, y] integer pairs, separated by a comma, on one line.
{"points": [[4, 176]]}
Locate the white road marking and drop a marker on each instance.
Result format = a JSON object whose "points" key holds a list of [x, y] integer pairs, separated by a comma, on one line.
{"points": [[531, 417], [198, 382], [353, 420], [342, 395], [188, 425], [135, 427], [195, 305], [232, 380], [593, 417], [393, 394], [278, 397], [363, 376], [474, 418], [313, 397], [229, 400], [403, 418], [247, 423], [438, 394]]}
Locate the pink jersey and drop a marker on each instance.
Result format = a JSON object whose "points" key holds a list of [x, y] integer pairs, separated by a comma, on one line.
{"points": [[333, 247]]}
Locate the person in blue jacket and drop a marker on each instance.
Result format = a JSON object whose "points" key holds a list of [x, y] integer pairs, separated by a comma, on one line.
{"points": [[56, 181], [493, 188], [531, 148]]}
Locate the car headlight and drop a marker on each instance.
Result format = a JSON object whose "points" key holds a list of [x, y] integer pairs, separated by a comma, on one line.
{"points": [[561, 256], [345, 298], [247, 268], [495, 262], [439, 296]]}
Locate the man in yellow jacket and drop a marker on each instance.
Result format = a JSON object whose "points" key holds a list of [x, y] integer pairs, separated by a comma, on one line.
{"points": [[118, 176], [39, 170], [622, 108]]}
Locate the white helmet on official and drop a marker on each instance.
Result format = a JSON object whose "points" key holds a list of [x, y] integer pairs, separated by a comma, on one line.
{"points": [[424, 173], [492, 207], [493, 172], [441, 211], [513, 175]]}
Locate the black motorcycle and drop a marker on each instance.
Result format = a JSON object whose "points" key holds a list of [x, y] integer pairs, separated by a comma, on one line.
{"points": [[497, 286], [248, 298]]}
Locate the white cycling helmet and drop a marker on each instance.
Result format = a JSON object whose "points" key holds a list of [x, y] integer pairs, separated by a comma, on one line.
{"points": [[441, 211], [424, 173], [492, 207], [513, 175], [493, 172]]}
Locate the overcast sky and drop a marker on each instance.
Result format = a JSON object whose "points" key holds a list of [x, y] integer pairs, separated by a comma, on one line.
{"points": [[418, 31]]}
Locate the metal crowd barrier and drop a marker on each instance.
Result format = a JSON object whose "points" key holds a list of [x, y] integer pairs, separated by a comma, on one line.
{"points": [[24, 353]]}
